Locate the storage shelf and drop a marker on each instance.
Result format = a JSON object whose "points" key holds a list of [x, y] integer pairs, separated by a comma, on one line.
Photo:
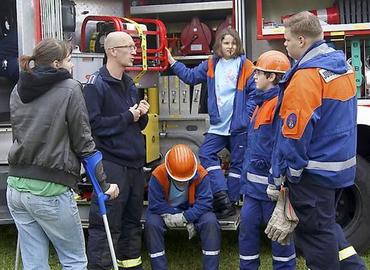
{"points": [[330, 30], [207, 11], [201, 116], [177, 16], [191, 57], [182, 7]]}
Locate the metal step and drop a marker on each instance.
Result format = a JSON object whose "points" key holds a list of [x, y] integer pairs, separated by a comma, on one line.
{"points": [[228, 224]]}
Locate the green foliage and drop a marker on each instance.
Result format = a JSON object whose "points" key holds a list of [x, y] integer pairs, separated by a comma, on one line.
{"points": [[181, 253]]}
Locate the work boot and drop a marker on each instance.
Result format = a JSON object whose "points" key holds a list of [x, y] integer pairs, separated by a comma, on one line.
{"points": [[222, 207]]}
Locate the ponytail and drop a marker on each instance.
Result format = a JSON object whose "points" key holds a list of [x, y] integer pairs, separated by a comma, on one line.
{"points": [[24, 62], [45, 53]]}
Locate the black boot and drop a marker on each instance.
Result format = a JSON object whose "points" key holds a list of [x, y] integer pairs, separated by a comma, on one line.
{"points": [[222, 207]]}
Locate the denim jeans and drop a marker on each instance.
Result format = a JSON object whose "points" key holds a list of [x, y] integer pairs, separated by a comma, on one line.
{"points": [[40, 219]]}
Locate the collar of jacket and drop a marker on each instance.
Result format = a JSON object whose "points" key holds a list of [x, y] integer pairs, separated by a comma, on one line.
{"points": [[216, 58], [244, 73], [108, 78], [262, 96], [38, 81], [319, 55], [160, 173]]}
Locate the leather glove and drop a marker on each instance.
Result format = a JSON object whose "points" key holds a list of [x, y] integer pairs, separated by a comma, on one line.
{"points": [[272, 192], [191, 230], [175, 220], [283, 220], [166, 219]]}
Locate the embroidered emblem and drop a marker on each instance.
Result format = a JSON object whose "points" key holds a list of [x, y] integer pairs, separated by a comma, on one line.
{"points": [[291, 120], [328, 75], [90, 79]]}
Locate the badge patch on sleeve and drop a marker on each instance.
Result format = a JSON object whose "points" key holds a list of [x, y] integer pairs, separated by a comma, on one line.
{"points": [[291, 126], [291, 121]]}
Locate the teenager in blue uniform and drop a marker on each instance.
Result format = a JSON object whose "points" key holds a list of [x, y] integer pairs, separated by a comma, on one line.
{"points": [[180, 195], [258, 204], [230, 106], [316, 142]]}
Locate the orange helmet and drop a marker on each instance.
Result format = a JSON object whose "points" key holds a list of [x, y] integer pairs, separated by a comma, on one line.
{"points": [[273, 61], [181, 163]]}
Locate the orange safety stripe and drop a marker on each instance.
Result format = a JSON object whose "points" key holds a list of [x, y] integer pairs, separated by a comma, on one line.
{"points": [[346, 84], [160, 174], [211, 69], [255, 112], [246, 72], [202, 173], [301, 98], [266, 113], [304, 95]]}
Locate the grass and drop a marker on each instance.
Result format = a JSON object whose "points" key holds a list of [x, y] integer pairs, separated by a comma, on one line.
{"points": [[181, 253]]}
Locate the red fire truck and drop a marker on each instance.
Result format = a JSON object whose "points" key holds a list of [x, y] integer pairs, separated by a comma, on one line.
{"points": [[188, 28]]}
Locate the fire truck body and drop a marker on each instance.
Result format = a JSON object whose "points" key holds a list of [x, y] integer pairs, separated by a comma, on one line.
{"points": [[178, 113]]}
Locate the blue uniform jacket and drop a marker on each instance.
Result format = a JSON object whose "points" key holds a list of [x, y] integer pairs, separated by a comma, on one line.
{"points": [[159, 205], [116, 134], [261, 138], [317, 120], [244, 97]]}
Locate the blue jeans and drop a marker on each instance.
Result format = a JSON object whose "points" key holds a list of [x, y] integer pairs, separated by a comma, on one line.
{"points": [[40, 219]]}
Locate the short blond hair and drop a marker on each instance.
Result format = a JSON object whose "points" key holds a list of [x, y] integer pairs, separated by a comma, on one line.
{"points": [[304, 24]]}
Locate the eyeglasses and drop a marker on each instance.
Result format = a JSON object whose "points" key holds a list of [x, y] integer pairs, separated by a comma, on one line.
{"points": [[260, 72], [131, 47]]}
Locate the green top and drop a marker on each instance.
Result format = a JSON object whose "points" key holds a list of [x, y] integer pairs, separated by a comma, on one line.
{"points": [[36, 187]]}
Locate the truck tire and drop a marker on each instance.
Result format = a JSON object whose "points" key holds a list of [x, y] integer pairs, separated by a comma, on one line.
{"points": [[353, 211]]}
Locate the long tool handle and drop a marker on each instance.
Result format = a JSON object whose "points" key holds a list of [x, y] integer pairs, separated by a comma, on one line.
{"points": [[17, 253], [90, 163], [110, 242]]}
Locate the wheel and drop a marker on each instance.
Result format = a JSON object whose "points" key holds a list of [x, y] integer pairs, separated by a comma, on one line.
{"points": [[353, 211]]}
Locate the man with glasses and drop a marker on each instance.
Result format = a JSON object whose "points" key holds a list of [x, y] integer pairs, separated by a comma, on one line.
{"points": [[117, 117]]}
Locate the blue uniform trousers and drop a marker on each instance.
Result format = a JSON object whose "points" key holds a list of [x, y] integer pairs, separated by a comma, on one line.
{"points": [[209, 159], [207, 228], [124, 214], [320, 238], [254, 213]]}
